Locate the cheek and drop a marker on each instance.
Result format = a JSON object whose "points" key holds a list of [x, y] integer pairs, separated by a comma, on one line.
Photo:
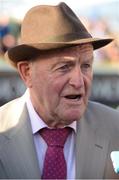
{"points": [[58, 85], [37, 81], [90, 78], [38, 77], [87, 79], [88, 82]]}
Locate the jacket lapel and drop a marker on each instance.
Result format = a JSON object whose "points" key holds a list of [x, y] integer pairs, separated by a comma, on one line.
{"points": [[91, 150], [18, 154]]}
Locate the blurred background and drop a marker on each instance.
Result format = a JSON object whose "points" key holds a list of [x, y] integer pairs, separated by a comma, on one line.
{"points": [[101, 17]]}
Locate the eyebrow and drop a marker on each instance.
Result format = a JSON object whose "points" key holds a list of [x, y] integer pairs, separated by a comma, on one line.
{"points": [[68, 59], [63, 61]]}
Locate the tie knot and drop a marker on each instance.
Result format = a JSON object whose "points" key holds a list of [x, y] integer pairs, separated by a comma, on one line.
{"points": [[55, 137]]}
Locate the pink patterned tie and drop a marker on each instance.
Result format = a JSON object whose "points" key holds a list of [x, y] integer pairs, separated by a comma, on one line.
{"points": [[54, 163]]}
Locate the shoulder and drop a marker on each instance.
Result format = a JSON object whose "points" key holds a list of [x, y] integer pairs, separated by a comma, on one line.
{"points": [[10, 113], [104, 117], [8, 106], [101, 108]]}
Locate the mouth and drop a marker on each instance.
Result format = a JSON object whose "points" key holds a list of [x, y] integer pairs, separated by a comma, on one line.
{"points": [[76, 97]]}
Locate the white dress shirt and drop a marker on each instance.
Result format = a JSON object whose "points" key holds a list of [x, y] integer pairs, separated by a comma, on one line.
{"points": [[69, 148]]}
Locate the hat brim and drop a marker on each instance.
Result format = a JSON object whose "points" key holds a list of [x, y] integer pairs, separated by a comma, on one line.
{"points": [[27, 51]]}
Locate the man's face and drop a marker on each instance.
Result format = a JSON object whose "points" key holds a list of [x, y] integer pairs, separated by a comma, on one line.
{"points": [[60, 84]]}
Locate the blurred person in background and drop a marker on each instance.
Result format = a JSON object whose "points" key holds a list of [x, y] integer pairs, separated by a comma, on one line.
{"points": [[4, 29], [7, 42], [9, 33], [53, 131], [109, 54], [4, 25]]}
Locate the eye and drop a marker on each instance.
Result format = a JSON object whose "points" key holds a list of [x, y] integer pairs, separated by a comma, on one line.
{"points": [[65, 67], [86, 66]]}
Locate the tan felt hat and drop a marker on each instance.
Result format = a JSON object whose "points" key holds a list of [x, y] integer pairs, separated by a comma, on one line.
{"points": [[47, 27]]}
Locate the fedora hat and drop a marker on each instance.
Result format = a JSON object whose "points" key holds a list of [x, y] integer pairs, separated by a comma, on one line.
{"points": [[47, 27]]}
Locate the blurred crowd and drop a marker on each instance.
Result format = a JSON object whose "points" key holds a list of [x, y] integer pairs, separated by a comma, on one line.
{"points": [[100, 27], [9, 33], [10, 36]]}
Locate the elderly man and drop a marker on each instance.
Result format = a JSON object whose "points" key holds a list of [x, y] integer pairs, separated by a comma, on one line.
{"points": [[45, 133]]}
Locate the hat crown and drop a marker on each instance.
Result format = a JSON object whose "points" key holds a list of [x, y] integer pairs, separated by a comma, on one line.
{"points": [[46, 23]]}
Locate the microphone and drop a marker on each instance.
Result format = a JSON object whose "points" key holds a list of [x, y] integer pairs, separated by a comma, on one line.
{"points": [[115, 161]]}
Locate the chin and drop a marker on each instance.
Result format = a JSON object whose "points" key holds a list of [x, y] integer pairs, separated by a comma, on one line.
{"points": [[73, 116]]}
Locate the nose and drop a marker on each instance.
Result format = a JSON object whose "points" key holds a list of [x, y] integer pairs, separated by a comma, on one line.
{"points": [[76, 78]]}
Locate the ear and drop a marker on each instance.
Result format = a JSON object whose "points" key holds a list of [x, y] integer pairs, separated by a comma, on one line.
{"points": [[24, 69]]}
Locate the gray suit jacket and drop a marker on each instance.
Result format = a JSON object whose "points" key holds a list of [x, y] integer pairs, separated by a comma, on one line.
{"points": [[97, 137]]}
